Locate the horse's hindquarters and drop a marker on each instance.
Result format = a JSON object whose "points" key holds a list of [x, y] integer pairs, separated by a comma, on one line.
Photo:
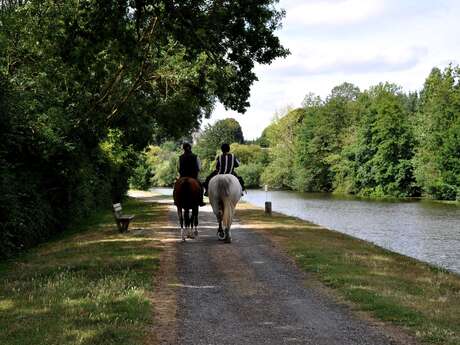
{"points": [[187, 197], [224, 193]]}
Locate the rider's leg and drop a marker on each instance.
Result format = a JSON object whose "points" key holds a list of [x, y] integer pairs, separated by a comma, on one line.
{"points": [[241, 182], [206, 182]]}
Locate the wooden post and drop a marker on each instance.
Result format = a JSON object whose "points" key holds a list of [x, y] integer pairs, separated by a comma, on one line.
{"points": [[268, 204], [268, 208]]}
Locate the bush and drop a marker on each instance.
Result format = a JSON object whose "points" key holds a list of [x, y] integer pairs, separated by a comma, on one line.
{"points": [[251, 174], [142, 174]]}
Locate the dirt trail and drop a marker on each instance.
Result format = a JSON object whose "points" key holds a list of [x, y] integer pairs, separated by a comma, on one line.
{"points": [[248, 292]]}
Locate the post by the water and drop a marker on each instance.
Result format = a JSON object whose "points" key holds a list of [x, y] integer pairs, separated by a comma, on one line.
{"points": [[268, 203]]}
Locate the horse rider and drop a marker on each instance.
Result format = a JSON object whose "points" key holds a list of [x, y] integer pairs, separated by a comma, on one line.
{"points": [[225, 164], [190, 166]]}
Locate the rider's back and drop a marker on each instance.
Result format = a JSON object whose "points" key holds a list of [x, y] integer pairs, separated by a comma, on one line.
{"points": [[188, 165]]}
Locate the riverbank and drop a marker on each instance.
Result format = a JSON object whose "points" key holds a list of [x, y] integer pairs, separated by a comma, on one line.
{"points": [[390, 287], [91, 287], [425, 230]]}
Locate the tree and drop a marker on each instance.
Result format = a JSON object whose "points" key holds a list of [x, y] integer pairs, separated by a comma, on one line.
{"points": [[320, 137], [223, 131], [282, 135], [385, 145], [438, 154]]}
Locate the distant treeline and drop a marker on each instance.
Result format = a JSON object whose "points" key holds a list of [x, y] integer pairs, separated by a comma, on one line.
{"points": [[380, 142]]}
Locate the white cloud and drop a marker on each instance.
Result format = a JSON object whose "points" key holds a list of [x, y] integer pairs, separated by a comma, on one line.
{"points": [[392, 41], [349, 60], [334, 12]]}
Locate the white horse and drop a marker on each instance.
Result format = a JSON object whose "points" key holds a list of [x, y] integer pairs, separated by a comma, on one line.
{"points": [[224, 193]]}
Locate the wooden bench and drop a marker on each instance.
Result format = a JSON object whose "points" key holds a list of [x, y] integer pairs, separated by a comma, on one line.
{"points": [[121, 219]]}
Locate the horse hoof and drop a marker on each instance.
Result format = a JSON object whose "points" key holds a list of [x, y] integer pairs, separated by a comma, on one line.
{"points": [[195, 233], [220, 235], [228, 240]]}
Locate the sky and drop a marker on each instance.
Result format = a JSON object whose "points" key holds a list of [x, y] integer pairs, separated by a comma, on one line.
{"points": [[363, 42]]}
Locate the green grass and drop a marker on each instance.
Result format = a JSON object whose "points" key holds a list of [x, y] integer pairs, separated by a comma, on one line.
{"points": [[416, 296], [91, 286]]}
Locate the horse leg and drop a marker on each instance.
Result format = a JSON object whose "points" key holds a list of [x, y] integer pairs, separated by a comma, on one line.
{"points": [[181, 220], [187, 222], [194, 220], [228, 236], [220, 230]]}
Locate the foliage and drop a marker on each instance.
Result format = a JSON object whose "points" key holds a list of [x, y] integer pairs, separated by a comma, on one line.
{"points": [[223, 131], [379, 142], [384, 146], [281, 135], [163, 161], [142, 175], [437, 161], [251, 173], [250, 153], [253, 159], [87, 85]]}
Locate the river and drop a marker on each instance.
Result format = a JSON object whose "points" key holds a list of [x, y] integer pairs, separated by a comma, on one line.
{"points": [[425, 230]]}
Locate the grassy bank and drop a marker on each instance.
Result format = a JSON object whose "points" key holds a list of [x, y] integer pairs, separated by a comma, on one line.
{"points": [[394, 288], [89, 287]]}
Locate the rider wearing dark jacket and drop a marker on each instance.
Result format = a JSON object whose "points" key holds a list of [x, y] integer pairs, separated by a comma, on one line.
{"points": [[225, 164], [190, 166]]}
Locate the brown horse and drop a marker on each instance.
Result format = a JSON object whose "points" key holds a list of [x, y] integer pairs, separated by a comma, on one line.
{"points": [[187, 196]]}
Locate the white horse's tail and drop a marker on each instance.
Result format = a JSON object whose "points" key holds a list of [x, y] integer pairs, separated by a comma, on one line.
{"points": [[227, 215]]}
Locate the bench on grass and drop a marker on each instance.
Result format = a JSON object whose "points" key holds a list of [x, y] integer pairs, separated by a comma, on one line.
{"points": [[121, 219]]}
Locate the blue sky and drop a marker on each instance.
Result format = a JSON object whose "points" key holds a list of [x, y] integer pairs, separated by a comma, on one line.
{"points": [[359, 41]]}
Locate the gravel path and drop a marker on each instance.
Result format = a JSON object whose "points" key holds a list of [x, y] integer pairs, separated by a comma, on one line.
{"points": [[248, 292]]}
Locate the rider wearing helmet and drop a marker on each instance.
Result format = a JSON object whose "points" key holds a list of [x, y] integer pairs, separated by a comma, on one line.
{"points": [[190, 166], [225, 164]]}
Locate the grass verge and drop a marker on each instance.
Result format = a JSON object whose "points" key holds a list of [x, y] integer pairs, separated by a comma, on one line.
{"points": [[92, 286], [392, 287]]}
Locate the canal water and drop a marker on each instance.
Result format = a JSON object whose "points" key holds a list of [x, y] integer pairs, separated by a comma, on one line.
{"points": [[425, 230]]}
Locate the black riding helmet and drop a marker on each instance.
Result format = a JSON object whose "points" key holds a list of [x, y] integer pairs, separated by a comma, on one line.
{"points": [[225, 148], [187, 146]]}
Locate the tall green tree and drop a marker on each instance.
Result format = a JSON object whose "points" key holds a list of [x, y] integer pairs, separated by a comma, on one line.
{"points": [[385, 145], [321, 137], [438, 155]]}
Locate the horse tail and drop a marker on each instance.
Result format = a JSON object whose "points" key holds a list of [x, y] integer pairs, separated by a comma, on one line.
{"points": [[223, 187], [225, 207], [227, 215]]}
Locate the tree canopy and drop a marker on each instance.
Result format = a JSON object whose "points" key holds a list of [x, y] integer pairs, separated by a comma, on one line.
{"points": [[213, 136], [379, 142], [87, 85]]}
